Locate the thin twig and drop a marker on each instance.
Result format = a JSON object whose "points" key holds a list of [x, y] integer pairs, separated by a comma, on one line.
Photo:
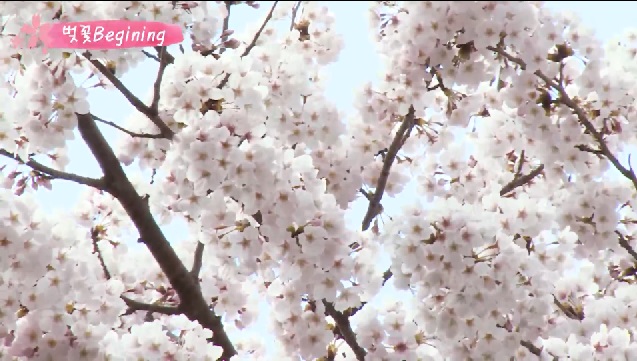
{"points": [[131, 133], [258, 34], [142, 306], [150, 56], [519, 181], [565, 99], [154, 106], [252, 43], [623, 242], [387, 275], [567, 310], [56, 174], [295, 10], [532, 348], [138, 104], [95, 234], [401, 135], [226, 25]]}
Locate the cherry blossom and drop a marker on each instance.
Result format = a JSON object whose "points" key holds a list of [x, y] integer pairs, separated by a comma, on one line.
{"points": [[512, 121]]}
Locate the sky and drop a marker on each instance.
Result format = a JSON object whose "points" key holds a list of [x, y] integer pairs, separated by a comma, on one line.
{"points": [[346, 76]]}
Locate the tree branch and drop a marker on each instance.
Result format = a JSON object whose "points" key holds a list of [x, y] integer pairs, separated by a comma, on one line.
{"points": [[226, 25], [141, 306], [579, 112], [163, 62], [138, 104], [131, 133], [56, 174], [95, 234], [623, 242], [295, 10], [192, 302], [252, 44], [374, 206], [169, 58], [344, 329], [197, 263], [519, 181], [150, 56]]}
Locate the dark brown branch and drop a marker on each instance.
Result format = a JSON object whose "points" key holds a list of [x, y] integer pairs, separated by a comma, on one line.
{"points": [[197, 262], [374, 206], [532, 348], [150, 56], [623, 242], [252, 44], [344, 329], [95, 235], [56, 174], [163, 62], [589, 149], [169, 58], [352, 311], [519, 181], [568, 310], [122, 129], [192, 303], [258, 33], [138, 104], [141, 306]]}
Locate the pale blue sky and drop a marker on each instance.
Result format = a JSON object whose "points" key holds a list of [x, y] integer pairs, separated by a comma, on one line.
{"points": [[357, 65]]}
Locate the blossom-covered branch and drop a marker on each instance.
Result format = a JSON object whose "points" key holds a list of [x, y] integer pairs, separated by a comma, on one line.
{"points": [[566, 100], [520, 180], [344, 329], [253, 43], [134, 100], [374, 207], [192, 303]]}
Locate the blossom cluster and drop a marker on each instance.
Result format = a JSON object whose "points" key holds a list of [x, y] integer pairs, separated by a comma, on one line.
{"points": [[510, 118]]}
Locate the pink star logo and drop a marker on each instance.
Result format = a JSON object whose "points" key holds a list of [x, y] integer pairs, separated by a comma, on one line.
{"points": [[33, 32]]}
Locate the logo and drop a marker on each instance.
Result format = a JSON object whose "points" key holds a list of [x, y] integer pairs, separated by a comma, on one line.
{"points": [[96, 35]]}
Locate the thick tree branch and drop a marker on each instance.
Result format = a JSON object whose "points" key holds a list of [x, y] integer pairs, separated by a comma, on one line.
{"points": [[345, 330], [197, 262], [519, 181], [401, 135], [138, 104], [122, 129], [192, 302], [55, 174]]}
